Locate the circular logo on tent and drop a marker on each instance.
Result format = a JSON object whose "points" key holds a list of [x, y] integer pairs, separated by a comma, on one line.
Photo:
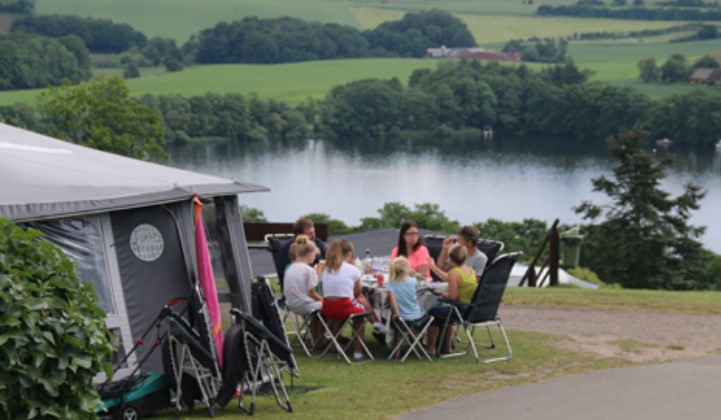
{"points": [[146, 242]]}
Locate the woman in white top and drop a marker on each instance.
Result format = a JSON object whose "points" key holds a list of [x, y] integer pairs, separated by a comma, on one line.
{"points": [[342, 295]]}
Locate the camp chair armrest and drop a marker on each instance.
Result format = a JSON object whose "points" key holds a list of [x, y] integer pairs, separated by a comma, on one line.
{"points": [[455, 302]]}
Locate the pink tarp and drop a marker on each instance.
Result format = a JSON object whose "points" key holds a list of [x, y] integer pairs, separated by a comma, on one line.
{"points": [[207, 279]]}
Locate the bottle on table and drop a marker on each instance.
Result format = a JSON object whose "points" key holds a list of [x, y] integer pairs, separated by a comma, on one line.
{"points": [[367, 263]]}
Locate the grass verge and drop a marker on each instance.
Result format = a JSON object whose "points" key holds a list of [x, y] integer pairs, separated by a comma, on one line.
{"points": [[707, 302]]}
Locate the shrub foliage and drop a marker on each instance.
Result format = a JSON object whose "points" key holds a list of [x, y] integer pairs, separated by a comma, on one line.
{"points": [[53, 338]]}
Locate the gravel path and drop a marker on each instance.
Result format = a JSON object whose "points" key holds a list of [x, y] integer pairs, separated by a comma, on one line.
{"points": [[634, 335]]}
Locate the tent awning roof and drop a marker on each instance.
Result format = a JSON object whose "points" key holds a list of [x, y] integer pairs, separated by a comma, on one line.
{"points": [[42, 177]]}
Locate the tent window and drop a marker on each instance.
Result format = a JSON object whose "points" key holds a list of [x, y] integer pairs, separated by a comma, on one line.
{"points": [[81, 241], [213, 234]]}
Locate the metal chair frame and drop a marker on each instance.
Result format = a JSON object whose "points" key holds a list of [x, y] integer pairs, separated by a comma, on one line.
{"points": [[264, 365], [333, 337], [408, 336], [487, 297]]}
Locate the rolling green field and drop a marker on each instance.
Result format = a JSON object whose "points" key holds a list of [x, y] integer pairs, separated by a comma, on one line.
{"points": [[295, 82], [488, 20], [291, 83], [492, 22]]}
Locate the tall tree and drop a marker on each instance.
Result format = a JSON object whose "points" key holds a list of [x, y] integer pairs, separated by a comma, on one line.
{"points": [[648, 70], [675, 69], [646, 240], [100, 114]]}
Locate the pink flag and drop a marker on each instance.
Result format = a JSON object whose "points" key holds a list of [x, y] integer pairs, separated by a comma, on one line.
{"points": [[207, 279]]}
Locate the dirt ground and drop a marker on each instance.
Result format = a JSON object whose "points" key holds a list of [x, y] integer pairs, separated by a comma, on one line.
{"points": [[638, 336]]}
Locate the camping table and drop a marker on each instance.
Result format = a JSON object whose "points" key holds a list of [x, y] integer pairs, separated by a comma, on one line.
{"points": [[429, 294]]}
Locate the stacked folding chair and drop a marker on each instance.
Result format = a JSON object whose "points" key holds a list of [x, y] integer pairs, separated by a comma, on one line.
{"points": [[483, 311], [410, 333], [260, 358], [190, 362]]}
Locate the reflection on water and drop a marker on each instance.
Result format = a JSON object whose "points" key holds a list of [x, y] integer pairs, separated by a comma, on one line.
{"points": [[471, 179]]}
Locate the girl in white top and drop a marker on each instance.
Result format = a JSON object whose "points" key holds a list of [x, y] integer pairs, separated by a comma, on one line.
{"points": [[301, 279], [342, 295], [300, 285]]}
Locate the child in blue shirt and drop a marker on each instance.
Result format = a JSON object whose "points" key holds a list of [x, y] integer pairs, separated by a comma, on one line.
{"points": [[403, 285]]}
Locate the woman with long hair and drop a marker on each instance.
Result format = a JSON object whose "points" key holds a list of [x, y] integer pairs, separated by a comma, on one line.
{"points": [[411, 246]]}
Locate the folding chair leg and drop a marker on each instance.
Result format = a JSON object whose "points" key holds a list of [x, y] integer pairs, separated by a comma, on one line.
{"points": [[300, 325], [355, 335], [414, 341], [505, 339]]}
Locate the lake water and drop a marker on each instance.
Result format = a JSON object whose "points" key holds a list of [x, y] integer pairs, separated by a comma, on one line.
{"points": [[471, 180]]}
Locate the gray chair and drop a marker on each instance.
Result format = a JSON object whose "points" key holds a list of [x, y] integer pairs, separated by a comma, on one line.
{"points": [[483, 310]]}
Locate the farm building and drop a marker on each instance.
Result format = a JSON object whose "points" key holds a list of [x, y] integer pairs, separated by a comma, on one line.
{"points": [[705, 75]]}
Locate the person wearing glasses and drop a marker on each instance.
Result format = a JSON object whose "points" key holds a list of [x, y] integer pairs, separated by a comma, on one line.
{"points": [[411, 246]]}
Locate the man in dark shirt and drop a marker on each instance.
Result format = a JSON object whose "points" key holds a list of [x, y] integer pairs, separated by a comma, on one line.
{"points": [[300, 227]]}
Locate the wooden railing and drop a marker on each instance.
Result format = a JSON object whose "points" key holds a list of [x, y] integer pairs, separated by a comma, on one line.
{"points": [[549, 269]]}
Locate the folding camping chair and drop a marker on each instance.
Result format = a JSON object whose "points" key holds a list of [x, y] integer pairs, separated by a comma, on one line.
{"points": [[410, 332], [300, 329], [190, 363], [334, 337], [483, 311], [491, 249], [275, 243], [259, 357]]}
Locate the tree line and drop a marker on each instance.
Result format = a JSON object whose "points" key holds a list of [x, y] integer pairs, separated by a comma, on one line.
{"points": [[99, 35], [256, 40], [558, 101], [282, 40], [635, 13], [25, 7], [39, 62]]}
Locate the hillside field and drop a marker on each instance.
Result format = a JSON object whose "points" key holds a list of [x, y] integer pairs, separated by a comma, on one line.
{"points": [[488, 20], [291, 83], [492, 22]]}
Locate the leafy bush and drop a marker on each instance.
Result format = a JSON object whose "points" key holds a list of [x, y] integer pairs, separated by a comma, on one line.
{"points": [[53, 338]]}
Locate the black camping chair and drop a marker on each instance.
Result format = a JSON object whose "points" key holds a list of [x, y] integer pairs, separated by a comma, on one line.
{"points": [[483, 310], [189, 358], [275, 243], [491, 248], [265, 309], [258, 357]]}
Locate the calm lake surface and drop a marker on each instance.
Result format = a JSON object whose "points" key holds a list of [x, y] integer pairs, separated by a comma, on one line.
{"points": [[471, 180]]}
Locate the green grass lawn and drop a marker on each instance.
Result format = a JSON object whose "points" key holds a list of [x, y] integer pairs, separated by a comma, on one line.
{"points": [[384, 389]]}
